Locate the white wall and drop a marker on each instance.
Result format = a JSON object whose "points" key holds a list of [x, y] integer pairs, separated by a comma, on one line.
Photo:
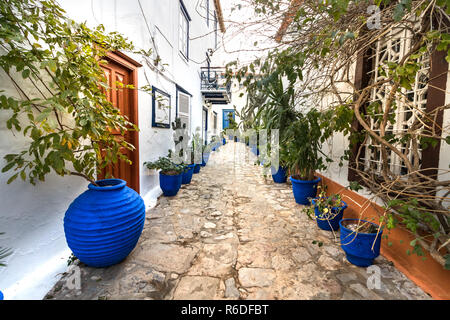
{"points": [[32, 216]]}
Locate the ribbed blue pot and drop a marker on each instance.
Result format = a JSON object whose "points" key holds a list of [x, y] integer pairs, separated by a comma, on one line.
{"points": [[303, 190], [280, 175], [205, 159], [103, 225], [187, 176], [323, 220], [358, 246], [1, 295], [170, 184], [197, 168]]}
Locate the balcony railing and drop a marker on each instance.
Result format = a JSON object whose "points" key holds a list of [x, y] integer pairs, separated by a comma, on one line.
{"points": [[214, 85]]}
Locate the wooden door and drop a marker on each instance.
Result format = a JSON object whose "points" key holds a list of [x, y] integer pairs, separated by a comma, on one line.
{"points": [[122, 99]]}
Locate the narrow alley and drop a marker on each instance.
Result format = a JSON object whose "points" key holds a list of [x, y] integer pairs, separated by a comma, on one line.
{"points": [[234, 234]]}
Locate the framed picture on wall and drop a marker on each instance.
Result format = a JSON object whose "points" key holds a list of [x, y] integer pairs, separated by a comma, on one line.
{"points": [[161, 109]]}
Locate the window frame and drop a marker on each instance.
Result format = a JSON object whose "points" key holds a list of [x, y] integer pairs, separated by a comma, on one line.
{"points": [[215, 29], [180, 90], [207, 13], [184, 15]]}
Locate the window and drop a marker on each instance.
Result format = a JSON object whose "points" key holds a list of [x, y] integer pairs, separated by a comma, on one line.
{"points": [[184, 107], [184, 31], [161, 108], [207, 12], [215, 122], [215, 28], [408, 108]]}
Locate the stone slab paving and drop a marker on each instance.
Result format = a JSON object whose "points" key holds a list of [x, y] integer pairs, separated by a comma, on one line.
{"points": [[234, 234]]}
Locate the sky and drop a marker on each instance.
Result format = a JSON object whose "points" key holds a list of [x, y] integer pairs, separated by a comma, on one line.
{"points": [[247, 37]]}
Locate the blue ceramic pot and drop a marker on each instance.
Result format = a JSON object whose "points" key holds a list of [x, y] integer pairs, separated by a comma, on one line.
{"points": [[224, 141], [197, 168], [304, 189], [187, 175], [205, 159], [279, 176], [1, 295], [170, 184], [358, 246], [331, 221], [103, 225]]}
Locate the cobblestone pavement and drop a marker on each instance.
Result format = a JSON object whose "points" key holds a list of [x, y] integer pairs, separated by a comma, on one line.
{"points": [[233, 234]]}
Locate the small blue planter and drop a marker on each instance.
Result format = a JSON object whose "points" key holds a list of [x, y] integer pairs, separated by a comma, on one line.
{"points": [[187, 175], [103, 225], [170, 184], [224, 141], [304, 189], [197, 168], [205, 159], [358, 246], [280, 176], [1, 295], [329, 224]]}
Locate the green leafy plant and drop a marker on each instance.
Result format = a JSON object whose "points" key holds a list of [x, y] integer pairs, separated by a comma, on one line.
{"points": [[167, 166], [325, 205], [68, 118], [4, 252], [303, 143]]}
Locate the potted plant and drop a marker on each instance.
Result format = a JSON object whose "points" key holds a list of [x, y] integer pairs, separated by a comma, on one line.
{"points": [[303, 154], [361, 240], [180, 137], [3, 254], [170, 175], [327, 210], [196, 147], [73, 128], [206, 152], [224, 141]]}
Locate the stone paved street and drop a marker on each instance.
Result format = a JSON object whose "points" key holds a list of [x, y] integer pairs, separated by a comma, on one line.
{"points": [[233, 234]]}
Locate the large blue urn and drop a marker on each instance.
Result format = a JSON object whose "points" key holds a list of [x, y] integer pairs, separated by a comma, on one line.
{"points": [[103, 224]]}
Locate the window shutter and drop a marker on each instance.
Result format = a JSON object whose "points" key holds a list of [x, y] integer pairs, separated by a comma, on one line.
{"points": [[184, 109]]}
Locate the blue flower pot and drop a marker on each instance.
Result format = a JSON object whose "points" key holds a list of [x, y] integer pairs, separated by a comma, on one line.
{"points": [[358, 246], [304, 189], [224, 141], [187, 175], [103, 225], [329, 224], [170, 184], [205, 159], [197, 168], [279, 176], [1, 295]]}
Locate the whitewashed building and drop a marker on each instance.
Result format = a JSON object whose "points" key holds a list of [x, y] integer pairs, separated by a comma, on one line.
{"points": [[183, 36]]}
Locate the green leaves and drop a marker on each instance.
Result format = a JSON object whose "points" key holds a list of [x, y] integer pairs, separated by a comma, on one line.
{"points": [[401, 9], [68, 117]]}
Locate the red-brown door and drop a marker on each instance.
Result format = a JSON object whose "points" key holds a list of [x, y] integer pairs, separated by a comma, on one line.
{"points": [[122, 99]]}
